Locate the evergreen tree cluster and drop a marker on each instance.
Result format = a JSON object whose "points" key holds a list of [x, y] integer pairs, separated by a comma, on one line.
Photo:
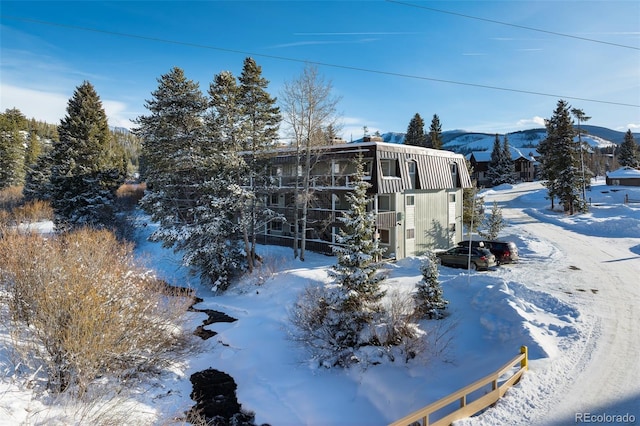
{"points": [[560, 161], [12, 148], [501, 167], [22, 143], [629, 154], [205, 163], [417, 136], [77, 165], [85, 170]]}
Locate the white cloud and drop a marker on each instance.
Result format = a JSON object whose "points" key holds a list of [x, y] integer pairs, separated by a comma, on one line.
{"points": [[633, 127], [51, 107], [529, 122], [116, 113], [41, 105]]}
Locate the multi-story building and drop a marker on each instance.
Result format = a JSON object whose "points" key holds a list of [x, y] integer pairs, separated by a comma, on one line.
{"points": [[416, 195]]}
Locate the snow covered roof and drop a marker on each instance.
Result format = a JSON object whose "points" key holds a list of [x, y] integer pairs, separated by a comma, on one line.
{"points": [[485, 156], [624, 173]]}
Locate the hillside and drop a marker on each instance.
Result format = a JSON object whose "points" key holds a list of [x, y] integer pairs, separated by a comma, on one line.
{"points": [[465, 142]]}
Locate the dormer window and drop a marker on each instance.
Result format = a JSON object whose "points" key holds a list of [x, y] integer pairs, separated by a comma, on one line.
{"points": [[389, 168], [413, 173], [454, 173]]}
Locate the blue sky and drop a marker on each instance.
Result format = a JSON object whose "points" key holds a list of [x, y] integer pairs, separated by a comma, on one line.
{"points": [[387, 60]]}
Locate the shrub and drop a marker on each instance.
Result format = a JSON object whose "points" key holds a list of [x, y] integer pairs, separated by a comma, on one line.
{"points": [[33, 211], [399, 332], [10, 197], [81, 308], [129, 194], [329, 334]]}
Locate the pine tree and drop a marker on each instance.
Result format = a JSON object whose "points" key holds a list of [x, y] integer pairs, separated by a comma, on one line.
{"points": [[435, 133], [472, 204], [500, 168], [357, 272], [493, 223], [228, 197], [429, 296], [493, 171], [507, 161], [13, 125], [84, 174], [37, 184], [416, 135], [188, 179], [261, 121], [33, 149], [629, 155], [561, 160]]}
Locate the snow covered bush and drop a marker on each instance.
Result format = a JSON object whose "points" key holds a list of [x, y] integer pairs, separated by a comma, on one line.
{"points": [[80, 309], [399, 332], [430, 302]]}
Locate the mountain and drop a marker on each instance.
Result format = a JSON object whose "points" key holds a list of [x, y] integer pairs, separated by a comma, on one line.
{"points": [[465, 142]]}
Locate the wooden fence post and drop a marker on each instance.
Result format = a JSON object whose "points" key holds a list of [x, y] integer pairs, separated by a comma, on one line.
{"points": [[525, 361]]}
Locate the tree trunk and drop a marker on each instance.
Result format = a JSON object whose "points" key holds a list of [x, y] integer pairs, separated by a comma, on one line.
{"points": [[306, 197], [296, 211]]}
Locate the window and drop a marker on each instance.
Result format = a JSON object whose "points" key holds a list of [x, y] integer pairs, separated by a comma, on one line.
{"points": [[454, 173], [275, 199], [384, 203], [410, 200], [384, 236], [275, 225], [412, 174], [452, 198], [411, 233], [389, 168], [336, 168], [385, 165]]}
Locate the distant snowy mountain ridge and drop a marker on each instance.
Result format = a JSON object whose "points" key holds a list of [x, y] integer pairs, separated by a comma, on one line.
{"points": [[465, 142]]}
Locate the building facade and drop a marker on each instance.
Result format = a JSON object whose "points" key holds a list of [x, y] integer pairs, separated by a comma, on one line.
{"points": [[416, 195]]}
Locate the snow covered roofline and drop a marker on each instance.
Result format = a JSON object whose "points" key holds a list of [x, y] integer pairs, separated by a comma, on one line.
{"points": [[624, 172]]}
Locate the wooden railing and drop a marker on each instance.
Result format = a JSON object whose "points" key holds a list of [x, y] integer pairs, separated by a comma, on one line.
{"points": [[469, 408]]}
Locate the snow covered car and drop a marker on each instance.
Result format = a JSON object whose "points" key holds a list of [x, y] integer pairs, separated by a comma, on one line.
{"points": [[458, 257]]}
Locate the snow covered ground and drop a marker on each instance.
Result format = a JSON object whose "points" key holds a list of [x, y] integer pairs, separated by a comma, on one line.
{"points": [[574, 300]]}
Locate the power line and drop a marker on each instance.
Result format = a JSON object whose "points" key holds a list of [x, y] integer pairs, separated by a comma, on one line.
{"points": [[493, 21], [305, 61]]}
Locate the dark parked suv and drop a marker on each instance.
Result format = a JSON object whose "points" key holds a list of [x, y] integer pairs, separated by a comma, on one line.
{"points": [[504, 251]]}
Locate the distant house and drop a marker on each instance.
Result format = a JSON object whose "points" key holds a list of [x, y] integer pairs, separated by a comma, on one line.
{"points": [[626, 176], [525, 162], [479, 161], [416, 195]]}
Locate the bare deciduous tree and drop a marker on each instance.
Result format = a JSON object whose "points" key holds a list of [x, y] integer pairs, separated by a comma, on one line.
{"points": [[309, 109]]}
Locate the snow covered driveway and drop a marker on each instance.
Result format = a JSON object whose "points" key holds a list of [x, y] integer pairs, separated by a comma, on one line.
{"points": [[596, 269]]}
